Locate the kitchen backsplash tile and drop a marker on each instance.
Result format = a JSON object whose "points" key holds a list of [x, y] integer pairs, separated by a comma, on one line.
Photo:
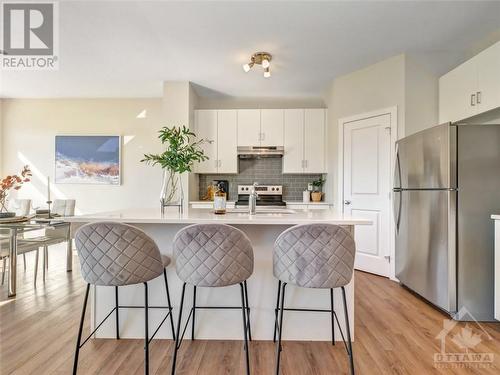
{"points": [[266, 171]]}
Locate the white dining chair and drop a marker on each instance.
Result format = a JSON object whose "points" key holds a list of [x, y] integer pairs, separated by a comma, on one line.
{"points": [[22, 249], [21, 207], [54, 236]]}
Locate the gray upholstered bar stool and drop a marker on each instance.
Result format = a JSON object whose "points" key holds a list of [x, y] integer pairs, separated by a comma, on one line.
{"points": [[314, 256], [213, 255], [115, 254]]}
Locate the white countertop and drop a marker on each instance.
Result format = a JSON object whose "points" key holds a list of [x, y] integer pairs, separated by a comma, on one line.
{"points": [[287, 202], [195, 216], [495, 217]]}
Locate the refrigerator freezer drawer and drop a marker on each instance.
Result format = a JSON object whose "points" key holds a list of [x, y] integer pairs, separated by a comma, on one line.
{"points": [[425, 244]]}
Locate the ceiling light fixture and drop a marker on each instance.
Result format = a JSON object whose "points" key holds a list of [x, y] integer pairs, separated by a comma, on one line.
{"points": [[260, 58]]}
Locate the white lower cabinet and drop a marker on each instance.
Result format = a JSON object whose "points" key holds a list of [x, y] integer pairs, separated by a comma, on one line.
{"points": [[219, 128]]}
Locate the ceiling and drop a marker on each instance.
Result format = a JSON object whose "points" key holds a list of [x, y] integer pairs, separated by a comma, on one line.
{"points": [[127, 48]]}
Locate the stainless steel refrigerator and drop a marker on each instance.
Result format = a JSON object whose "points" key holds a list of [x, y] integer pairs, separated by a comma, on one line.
{"points": [[446, 186]]}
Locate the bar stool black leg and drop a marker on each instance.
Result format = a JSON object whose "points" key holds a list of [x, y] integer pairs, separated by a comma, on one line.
{"points": [[245, 327], [117, 315], [248, 311], [169, 305], [349, 343], [146, 331], [333, 316], [280, 329], [276, 310], [178, 334], [194, 313], [80, 329]]}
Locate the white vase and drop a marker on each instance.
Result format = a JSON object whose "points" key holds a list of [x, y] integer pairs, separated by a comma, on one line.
{"points": [[171, 191]]}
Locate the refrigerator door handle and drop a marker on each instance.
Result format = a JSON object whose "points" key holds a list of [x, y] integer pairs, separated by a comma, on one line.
{"points": [[397, 202], [397, 189]]}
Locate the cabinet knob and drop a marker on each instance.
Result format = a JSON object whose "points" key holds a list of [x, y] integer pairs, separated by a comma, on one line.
{"points": [[478, 97], [473, 100], [347, 203]]}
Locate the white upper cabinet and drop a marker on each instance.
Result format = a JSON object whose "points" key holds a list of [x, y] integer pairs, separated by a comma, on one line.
{"points": [[314, 140], [304, 141], [302, 132], [271, 127], [206, 128], [219, 129], [488, 79], [249, 127], [293, 159], [455, 93], [226, 141], [472, 88]]}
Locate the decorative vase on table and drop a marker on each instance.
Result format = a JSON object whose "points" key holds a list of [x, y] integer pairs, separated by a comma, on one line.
{"points": [[172, 193], [181, 152], [4, 212]]}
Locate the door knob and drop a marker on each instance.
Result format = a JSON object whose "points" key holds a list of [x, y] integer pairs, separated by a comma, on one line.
{"points": [[347, 203]]}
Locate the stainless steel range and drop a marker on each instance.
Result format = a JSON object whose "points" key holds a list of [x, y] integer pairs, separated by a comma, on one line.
{"points": [[269, 195]]}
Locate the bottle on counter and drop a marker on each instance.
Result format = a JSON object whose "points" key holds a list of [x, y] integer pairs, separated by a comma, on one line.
{"points": [[220, 200]]}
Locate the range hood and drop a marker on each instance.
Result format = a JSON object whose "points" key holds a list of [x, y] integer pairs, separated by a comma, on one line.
{"points": [[249, 152]]}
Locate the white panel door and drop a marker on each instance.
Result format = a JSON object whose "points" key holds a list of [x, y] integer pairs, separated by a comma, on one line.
{"points": [[206, 128], [455, 93], [271, 127], [249, 127], [488, 79], [293, 141], [367, 189], [227, 140], [314, 140]]}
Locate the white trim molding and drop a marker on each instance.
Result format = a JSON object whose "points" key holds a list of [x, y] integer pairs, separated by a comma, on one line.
{"points": [[393, 113]]}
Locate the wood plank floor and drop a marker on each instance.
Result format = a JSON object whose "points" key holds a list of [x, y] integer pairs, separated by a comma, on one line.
{"points": [[395, 334]]}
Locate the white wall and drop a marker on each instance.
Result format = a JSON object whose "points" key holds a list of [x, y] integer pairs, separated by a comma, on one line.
{"points": [[30, 126], [178, 103], [378, 86], [421, 98], [397, 81]]}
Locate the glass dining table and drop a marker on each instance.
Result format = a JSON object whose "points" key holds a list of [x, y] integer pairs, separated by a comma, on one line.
{"points": [[10, 233]]}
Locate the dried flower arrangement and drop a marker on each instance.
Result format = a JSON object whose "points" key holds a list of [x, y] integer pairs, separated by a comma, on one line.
{"points": [[13, 182]]}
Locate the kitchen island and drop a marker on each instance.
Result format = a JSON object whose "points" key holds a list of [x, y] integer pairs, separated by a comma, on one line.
{"points": [[262, 229]]}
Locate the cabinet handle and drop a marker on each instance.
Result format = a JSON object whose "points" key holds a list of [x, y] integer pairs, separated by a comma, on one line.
{"points": [[473, 99], [210, 141], [220, 163], [478, 97], [305, 163], [216, 163], [263, 136]]}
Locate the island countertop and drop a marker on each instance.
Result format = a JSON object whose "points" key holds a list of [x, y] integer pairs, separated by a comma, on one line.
{"points": [[197, 216], [262, 230]]}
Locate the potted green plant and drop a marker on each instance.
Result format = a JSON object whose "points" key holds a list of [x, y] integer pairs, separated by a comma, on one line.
{"points": [[182, 151], [316, 195], [12, 182]]}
